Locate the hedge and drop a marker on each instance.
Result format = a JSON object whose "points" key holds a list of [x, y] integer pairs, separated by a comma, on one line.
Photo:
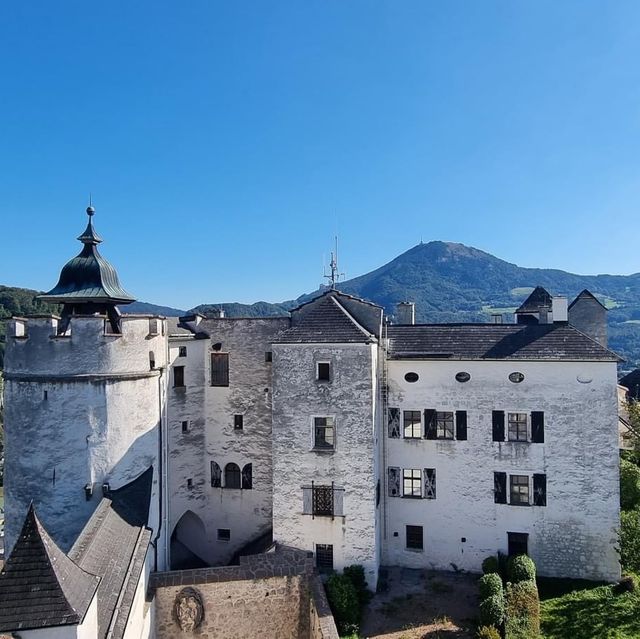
{"points": [[522, 611], [520, 568], [490, 565], [492, 611], [488, 632], [344, 603], [489, 585]]}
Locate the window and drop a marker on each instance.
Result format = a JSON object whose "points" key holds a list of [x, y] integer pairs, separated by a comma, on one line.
{"points": [[412, 424], [238, 422], [463, 377], [411, 480], [189, 483], [444, 425], [247, 477], [518, 427], [519, 490], [182, 351], [324, 433], [516, 377], [216, 475], [518, 543], [497, 422], [185, 426], [324, 372], [224, 534], [323, 501], [232, 476], [412, 378], [268, 356], [324, 557], [414, 538], [178, 376], [429, 483], [219, 369]]}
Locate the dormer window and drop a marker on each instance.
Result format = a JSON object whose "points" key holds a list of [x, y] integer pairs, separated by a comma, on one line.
{"points": [[323, 373]]}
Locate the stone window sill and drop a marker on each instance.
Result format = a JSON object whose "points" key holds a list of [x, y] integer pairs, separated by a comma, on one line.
{"points": [[323, 451]]}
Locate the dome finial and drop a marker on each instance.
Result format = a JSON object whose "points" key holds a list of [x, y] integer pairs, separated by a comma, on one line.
{"points": [[90, 210]]}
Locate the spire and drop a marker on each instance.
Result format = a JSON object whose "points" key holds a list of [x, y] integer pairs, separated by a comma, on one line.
{"points": [[90, 236]]}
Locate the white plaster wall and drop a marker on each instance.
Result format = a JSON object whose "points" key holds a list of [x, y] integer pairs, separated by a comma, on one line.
{"points": [[575, 534], [140, 616], [350, 397]]}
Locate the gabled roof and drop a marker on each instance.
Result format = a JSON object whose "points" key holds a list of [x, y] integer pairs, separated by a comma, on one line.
{"points": [[325, 321], [587, 295], [113, 545], [631, 381], [40, 587], [495, 341], [539, 298]]}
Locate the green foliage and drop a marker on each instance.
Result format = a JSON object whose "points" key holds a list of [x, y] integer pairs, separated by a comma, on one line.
{"points": [[490, 584], [520, 568], [343, 599], [492, 611], [490, 565], [629, 538], [629, 485], [522, 611], [355, 574], [488, 632]]}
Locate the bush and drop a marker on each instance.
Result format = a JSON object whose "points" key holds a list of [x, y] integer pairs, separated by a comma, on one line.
{"points": [[522, 611], [626, 584], [488, 632], [492, 611], [629, 485], [520, 568], [490, 565], [629, 537], [489, 585], [355, 574], [343, 599]]}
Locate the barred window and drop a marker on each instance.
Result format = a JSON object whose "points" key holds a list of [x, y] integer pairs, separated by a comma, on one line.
{"points": [[519, 490], [518, 429], [324, 557], [414, 537], [324, 433], [412, 424], [444, 425], [411, 482]]}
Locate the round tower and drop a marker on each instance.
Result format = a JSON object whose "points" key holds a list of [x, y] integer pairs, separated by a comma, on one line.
{"points": [[84, 398]]}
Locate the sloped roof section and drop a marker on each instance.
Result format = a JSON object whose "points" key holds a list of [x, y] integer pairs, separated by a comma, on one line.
{"points": [[40, 587], [325, 321], [631, 381], [551, 342], [587, 295], [539, 298]]}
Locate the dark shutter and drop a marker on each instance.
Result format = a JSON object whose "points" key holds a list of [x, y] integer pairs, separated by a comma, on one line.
{"points": [[500, 488], [461, 425], [247, 476], [219, 369], [393, 417], [216, 475], [393, 481], [430, 423], [537, 427], [498, 425], [539, 490]]}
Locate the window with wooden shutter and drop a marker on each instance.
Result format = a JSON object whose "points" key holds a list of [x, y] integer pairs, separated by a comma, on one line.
{"points": [[461, 425], [393, 422], [539, 489], [500, 488], [430, 430], [216, 475], [429, 483], [393, 481], [497, 419], [219, 369], [537, 427]]}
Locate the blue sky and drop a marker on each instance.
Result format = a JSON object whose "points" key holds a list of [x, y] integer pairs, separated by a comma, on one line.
{"points": [[225, 143]]}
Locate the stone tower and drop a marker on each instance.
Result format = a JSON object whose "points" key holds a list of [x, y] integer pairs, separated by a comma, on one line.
{"points": [[84, 400]]}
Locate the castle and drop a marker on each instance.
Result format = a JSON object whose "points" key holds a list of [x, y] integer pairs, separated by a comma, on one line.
{"points": [[169, 445]]}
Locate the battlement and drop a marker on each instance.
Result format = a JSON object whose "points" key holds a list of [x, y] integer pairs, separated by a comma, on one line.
{"points": [[87, 347]]}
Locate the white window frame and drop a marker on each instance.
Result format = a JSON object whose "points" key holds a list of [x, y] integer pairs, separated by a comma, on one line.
{"points": [[527, 422], [412, 479]]}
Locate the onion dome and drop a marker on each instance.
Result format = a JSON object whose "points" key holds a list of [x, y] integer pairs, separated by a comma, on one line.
{"points": [[88, 277]]}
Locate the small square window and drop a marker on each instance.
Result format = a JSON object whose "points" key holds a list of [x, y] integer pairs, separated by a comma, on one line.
{"points": [[414, 538], [444, 425], [238, 422], [519, 490], [185, 426], [178, 376], [224, 534], [412, 424], [268, 356], [182, 351], [324, 372], [518, 430], [324, 557], [411, 482], [189, 483], [324, 433]]}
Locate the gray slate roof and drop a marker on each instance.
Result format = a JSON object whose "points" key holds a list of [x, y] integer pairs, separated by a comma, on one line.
{"points": [[495, 341], [326, 321], [113, 545], [40, 587], [586, 295], [539, 298]]}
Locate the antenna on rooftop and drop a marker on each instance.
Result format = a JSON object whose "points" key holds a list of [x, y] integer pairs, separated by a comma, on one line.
{"points": [[334, 275]]}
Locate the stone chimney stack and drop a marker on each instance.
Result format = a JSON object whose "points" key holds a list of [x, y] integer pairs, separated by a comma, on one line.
{"points": [[406, 313], [559, 308]]}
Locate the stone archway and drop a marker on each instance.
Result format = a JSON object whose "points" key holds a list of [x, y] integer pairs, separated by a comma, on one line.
{"points": [[188, 543]]}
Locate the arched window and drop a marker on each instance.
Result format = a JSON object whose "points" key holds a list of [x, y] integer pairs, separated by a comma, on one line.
{"points": [[232, 476], [216, 475], [247, 477]]}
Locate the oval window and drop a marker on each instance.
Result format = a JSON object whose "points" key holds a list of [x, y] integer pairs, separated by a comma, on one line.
{"points": [[516, 377], [463, 376], [411, 377]]}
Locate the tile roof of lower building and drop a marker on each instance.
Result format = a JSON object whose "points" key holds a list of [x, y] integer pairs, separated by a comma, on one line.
{"points": [[495, 342], [40, 587]]}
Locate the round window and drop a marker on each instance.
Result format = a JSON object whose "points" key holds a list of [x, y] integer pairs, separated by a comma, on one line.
{"points": [[516, 377], [411, 377], [462, 377]]}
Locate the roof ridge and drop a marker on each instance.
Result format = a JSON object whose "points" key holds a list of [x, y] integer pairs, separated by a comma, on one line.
{"points": [[595, 341], [351, 318]]}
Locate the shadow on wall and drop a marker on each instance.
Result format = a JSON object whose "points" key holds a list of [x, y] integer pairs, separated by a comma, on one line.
{"points": [[188, 543]]}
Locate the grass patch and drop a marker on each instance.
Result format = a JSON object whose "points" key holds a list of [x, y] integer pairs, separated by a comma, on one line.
{"points": [[521, 290], [497, 309], [575, 608], [439, 586]]}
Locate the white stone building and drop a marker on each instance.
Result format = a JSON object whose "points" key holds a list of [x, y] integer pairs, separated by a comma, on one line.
{"points": [[332, 431]]}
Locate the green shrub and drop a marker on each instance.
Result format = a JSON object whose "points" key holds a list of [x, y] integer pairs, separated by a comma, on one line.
{"points": [[488, 632], [355, 574], [489, 585], [520, 568], [343, 599], [629, 485], [629, 537], [522, 611], [492, 611], [490, 565]]}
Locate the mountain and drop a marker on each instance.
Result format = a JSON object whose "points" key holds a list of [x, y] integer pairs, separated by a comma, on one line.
{"points": [[144, 308]]}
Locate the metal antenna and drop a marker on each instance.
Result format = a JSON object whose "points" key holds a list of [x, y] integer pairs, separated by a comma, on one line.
{"points": [[334, 275]]}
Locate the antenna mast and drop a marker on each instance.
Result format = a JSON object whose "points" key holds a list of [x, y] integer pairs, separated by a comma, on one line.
{"points": [[334, 275]]}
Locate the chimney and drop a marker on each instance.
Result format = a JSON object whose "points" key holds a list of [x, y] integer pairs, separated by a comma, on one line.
{"points": [[496, 318], [559, 308], [406, 313]]}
